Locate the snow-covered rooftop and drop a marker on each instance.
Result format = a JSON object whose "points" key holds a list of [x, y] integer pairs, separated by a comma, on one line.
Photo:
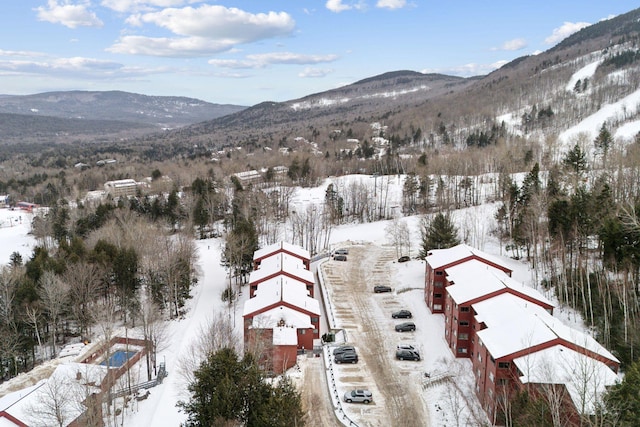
{"points": [[584, 377], [474, 279], [441, 257], [281, 262], [514, 324], [281, 289], [67, 387], [282, 246], [282, 315], [283, 335]]}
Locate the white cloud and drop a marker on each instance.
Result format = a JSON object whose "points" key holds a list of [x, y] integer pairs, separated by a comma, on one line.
{"points": [[170, 47], [77, 67], [515, 44], [565, 31], [291, 58], [391, 4], [314, 72], [262, 60], [25, 53], [143, 5], [204, 30], [338, 6], [68, 14], [467, 70], [218, 22]]}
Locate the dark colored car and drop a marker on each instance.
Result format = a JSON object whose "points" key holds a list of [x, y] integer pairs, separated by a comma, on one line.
{"points": [[404, 258], [406, 326], [346, 357], [382, 288], [344, 349], [363, 396], [402, 314], [341, 252], [405, 347], [340, 257], [407, 355]]}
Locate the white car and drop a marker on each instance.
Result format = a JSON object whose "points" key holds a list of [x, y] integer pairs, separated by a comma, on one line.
{"points": [[360, 396]]}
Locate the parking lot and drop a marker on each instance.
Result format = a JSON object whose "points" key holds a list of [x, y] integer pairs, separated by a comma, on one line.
{"points": [[398, 398]]}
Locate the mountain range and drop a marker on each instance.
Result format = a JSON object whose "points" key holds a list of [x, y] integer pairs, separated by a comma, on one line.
{"points": [[409, 104]]}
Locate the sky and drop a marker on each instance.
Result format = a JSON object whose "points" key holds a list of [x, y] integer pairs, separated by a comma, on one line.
{"points": [[247, 52]]}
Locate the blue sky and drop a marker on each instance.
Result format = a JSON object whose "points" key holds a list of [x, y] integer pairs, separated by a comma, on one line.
{"points": [[246, 52]]}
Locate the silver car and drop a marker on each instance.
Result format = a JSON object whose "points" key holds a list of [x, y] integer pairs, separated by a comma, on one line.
{"points": [[359, 396]]}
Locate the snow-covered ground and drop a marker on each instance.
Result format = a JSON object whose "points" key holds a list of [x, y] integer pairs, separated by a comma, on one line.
{"points": [[159, 409]]}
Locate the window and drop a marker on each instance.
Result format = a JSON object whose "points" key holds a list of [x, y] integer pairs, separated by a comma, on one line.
{"points": [[503, 381], [437, 306], [437, 295], [464, 309], [439, 273], [464, 323], [314, 320], [315, 331], [491, 376], [504, 365], [464, 336], [303, 331], [462, 350]]}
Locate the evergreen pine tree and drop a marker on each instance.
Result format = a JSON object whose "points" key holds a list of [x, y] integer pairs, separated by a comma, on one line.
{"points": [[438, 233]]}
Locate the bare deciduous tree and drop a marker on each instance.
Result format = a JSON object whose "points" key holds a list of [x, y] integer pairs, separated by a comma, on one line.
{"points": [[215, 334], [84, 282], [54, 298], [155, 331]]}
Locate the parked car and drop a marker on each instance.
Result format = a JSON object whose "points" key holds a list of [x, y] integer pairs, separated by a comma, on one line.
{"points": [[344, 349], [402, 314], [341, 251], [360, 396], [405, 354], [404, 258], [406, 326], [346, 357], [382, 288], [340, 257], [405, 347]]}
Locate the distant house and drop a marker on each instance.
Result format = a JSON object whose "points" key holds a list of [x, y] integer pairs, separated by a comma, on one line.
{"points": [[26, 206], [81, 166], [106, 162], [121, 188], [248, 177]]}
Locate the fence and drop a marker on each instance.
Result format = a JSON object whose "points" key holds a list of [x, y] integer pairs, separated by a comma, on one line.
{"points": [[162, 373]]}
